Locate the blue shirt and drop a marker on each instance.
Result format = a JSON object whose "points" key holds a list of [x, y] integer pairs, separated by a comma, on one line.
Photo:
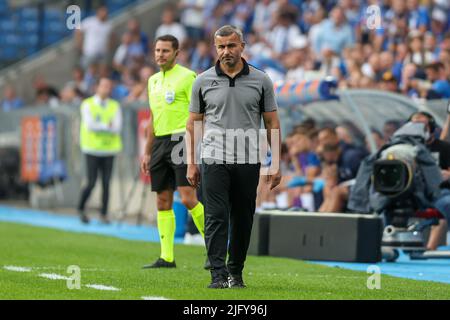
{"points": [[349, 161], [334, 38], [441, 87], [8, 105], [418, 18]]}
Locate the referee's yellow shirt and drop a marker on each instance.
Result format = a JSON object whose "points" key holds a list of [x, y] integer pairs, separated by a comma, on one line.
{"points": [[169, 96]]}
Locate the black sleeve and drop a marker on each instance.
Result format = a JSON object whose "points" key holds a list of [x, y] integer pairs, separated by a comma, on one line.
{"points": [[197, 103]]}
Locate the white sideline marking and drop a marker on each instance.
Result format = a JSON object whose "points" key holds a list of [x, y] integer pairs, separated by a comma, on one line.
{"points": [[102, 287], [154, 298], [17, 268], [53, 276]]}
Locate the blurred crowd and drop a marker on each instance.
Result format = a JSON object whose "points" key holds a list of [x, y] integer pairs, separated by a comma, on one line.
{"points": [[393, 45], [319, 162]]}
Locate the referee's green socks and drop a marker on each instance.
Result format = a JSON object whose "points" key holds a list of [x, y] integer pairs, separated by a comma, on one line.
{"points": [[166, 229], [198, 215]]}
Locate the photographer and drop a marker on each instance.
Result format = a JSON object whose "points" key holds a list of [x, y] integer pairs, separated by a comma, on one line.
{"points": [[441, 151]]}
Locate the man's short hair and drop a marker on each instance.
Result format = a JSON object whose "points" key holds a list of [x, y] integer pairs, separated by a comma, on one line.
{"points": [[170, 38], [101, 6], [330, 147], [435, 66], [228, 30], [97, 82], [328, 131]]}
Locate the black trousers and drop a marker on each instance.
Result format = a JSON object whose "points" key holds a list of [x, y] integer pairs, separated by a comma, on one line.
{"points": [[95, 164], [229, 196]]}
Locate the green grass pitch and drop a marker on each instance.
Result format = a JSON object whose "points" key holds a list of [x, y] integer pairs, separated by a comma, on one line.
{"points": [[117, 263]]}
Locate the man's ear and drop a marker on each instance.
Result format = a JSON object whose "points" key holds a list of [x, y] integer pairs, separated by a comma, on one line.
{"points": [[177, 52]]}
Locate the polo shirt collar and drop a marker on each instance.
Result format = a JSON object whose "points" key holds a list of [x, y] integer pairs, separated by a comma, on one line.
{"points": [[245, 70], [99, 101], [164, 73]]}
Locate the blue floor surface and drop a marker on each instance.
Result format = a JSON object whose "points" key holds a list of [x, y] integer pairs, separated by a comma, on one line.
{"points": [[432, 270], [73, 224]]}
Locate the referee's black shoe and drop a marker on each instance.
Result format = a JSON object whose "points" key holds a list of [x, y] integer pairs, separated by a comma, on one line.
{"points": [[83, 217], [236, 282], [207, 265], [160, 263], [219, 283]]}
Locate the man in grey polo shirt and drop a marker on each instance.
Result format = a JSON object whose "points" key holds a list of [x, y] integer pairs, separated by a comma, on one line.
{"points": [[227, 103]]}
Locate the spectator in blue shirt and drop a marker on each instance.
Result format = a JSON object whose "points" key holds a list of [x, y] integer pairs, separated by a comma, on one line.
{"points": [[440, 87], [201, 57], [340, 164], [134, 27], [418, 16], [335, 33], [10, 100]]}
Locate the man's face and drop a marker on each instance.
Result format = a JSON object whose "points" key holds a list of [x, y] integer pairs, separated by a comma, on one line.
{"points": [[330, 154], [9, 93], [102, 13], [229, 49], [338, 16], [104, 88], [420, 118], [388, 131], [432, 75], [165, 54]]}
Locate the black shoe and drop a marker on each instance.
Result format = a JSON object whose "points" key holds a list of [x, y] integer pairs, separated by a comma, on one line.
{"points": [[219, 283], [104, 219], [84, 218], [160, 263], [236, 282], [207, 265]]}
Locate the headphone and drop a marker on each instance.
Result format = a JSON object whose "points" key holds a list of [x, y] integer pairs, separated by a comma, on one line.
{"points": [[431, 120]]}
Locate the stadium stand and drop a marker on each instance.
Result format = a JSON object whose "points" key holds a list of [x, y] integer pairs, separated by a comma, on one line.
{"points": [[407, 55], [33, 25]]}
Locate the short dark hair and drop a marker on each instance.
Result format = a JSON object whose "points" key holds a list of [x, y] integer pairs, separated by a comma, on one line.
{"points": [[170, 38], [101, 6], [377, 132], [228, 30], [97, 82], [429, 116], [435, 66]]}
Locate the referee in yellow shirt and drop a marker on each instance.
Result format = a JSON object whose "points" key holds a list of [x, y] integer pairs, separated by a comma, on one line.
{"points": [[169, 95]]}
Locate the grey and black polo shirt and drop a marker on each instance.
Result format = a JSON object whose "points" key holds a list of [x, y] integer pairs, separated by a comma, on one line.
{"points": [[232, 109]]}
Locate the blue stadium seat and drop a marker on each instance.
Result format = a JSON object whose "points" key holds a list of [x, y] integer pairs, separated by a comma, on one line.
{"points": [[12, 39], [28, 13], [28, 26], [4, 7], [9, 53], [19, 27], [51, 38], [54, 26], [7, 25], [115, 5], [30, 40], [30, 50], [51, 14]]}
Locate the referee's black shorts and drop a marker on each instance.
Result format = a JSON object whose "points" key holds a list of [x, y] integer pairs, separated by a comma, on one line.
{"points": [[168, 166]]}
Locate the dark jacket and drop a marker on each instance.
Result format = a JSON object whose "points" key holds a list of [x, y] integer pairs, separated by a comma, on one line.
{"points": [[427, 178]]}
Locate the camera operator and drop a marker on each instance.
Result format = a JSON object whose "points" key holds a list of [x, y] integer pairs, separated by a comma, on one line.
{"points": [[441, 151]]}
